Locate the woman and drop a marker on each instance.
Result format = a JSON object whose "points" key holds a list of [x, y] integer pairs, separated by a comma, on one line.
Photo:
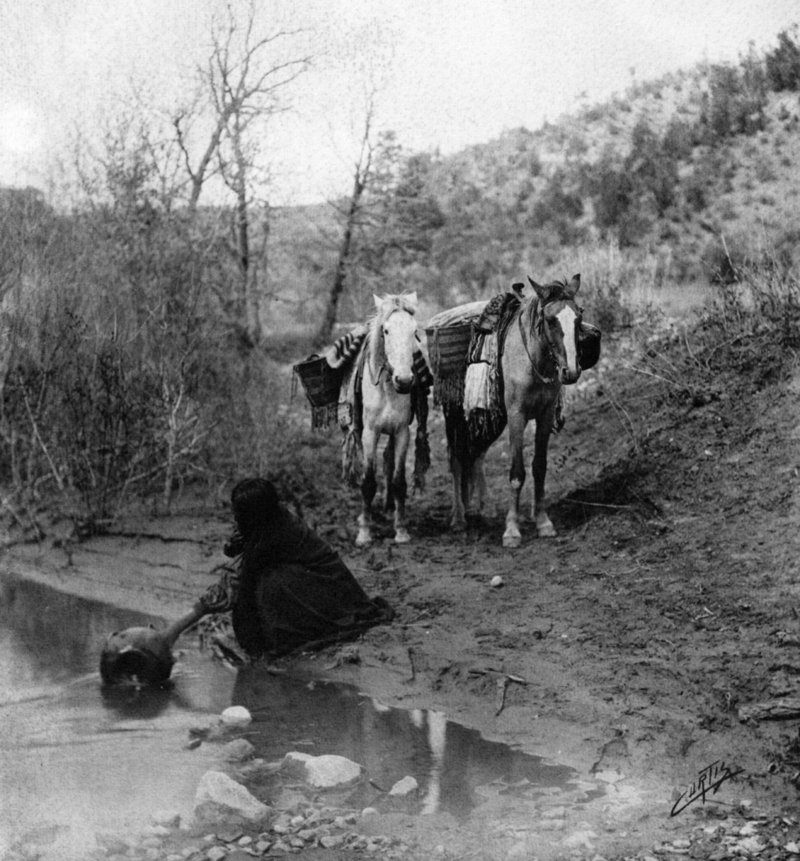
{"points": [[290, 588]]}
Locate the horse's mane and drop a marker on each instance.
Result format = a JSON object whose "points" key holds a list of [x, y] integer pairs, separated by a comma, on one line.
{"points": [[389, 304]]}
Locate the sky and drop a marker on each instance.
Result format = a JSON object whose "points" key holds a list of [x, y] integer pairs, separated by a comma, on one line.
{"points": [[451, 72]]}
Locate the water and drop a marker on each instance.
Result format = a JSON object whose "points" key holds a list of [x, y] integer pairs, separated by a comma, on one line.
{"points": [[77, 756]]}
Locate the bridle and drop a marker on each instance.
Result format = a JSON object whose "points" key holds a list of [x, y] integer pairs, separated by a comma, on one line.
{"points": [[383, 360], [543, 330], [384, 365]]}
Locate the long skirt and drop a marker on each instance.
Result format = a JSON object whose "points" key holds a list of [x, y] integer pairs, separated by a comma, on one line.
{"points": [[293, 607]]}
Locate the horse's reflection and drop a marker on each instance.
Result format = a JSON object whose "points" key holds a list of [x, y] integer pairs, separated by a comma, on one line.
{"points": [[447, 760], [436, 725], [388, 743]]}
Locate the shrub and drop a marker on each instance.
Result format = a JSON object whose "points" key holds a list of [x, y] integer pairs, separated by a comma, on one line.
{"points": [[766, 293], [783, 62], [736, 101], [727, 211], [695, 194]]}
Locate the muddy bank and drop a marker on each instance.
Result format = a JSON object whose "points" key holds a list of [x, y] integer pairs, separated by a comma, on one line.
{"points": [[625, 648]]}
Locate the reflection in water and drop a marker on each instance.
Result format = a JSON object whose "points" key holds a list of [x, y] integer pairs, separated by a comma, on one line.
{"points": [[75, 754], [437, 737], [447, 759]]}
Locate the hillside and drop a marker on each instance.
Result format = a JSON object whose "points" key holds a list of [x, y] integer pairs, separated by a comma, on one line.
{"points": [[570, 183], [687, 177]]}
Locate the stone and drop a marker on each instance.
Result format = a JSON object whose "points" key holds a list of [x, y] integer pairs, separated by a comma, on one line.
{"points": [[238, 855], [751, 845], [368, 811], [216, 853], [236, 716], [219, 797], [331, 841], [322, 772], [228, 835], [609, 776], [237, 750], [112, 844], [580, 840], [167, 818], [405, 786]]}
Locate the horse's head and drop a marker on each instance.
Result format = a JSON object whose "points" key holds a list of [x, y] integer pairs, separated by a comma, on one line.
{"points": [[396, 328], [560, 322]]}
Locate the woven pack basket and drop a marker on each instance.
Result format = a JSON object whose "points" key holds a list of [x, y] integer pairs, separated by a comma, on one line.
{"points": [[321, 384], [448, 347]]}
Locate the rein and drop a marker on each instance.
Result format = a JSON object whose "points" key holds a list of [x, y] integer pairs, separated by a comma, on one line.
{"points": [[383, 365], [525, 344]]}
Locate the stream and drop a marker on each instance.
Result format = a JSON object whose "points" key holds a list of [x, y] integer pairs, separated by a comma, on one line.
{"points": [[80, 757]]}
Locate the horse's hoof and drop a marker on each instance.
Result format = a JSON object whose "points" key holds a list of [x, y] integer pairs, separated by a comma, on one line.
{"points": [[458, 526], [547, 530], [402, 537], [363, 539], [512, 541]]}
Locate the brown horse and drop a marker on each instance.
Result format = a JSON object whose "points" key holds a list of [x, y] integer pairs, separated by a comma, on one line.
{"points": [[539, 354]]}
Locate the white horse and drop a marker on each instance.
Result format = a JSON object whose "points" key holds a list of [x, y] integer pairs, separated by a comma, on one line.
{"points": [[386, 384]]}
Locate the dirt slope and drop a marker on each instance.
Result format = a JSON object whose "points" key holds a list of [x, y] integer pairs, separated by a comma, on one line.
{"points": [[667, 602]]}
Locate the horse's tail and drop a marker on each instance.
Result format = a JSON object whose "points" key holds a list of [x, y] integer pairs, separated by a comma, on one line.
{"points": [[422, 447]]}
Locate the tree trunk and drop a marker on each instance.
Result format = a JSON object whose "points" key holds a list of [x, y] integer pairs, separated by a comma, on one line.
{"points": [[248, 295], [325, 331]]}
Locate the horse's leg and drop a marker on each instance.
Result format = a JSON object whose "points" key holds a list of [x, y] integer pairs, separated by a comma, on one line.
{"points": [[388, 471], [399, 488], [516, 432], [544, 528], [369, 443], [458, 518], [456, 431], [479, 484]]}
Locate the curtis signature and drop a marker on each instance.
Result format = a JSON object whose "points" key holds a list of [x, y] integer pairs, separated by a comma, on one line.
{"points": [[709, 780]]}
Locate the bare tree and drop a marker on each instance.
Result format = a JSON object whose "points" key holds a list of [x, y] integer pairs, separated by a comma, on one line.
{"points": [[362, 214], [243, 80], [361, 176]]}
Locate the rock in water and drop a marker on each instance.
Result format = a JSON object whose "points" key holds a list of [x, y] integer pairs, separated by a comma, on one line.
{"points": [[405, 786], [236, 716], [219, 797], [323, 772]]}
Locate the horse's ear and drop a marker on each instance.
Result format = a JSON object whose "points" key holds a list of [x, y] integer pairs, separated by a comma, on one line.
{"points": [[541, 291], [378, 301], [574, 285], [412, 301]]}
